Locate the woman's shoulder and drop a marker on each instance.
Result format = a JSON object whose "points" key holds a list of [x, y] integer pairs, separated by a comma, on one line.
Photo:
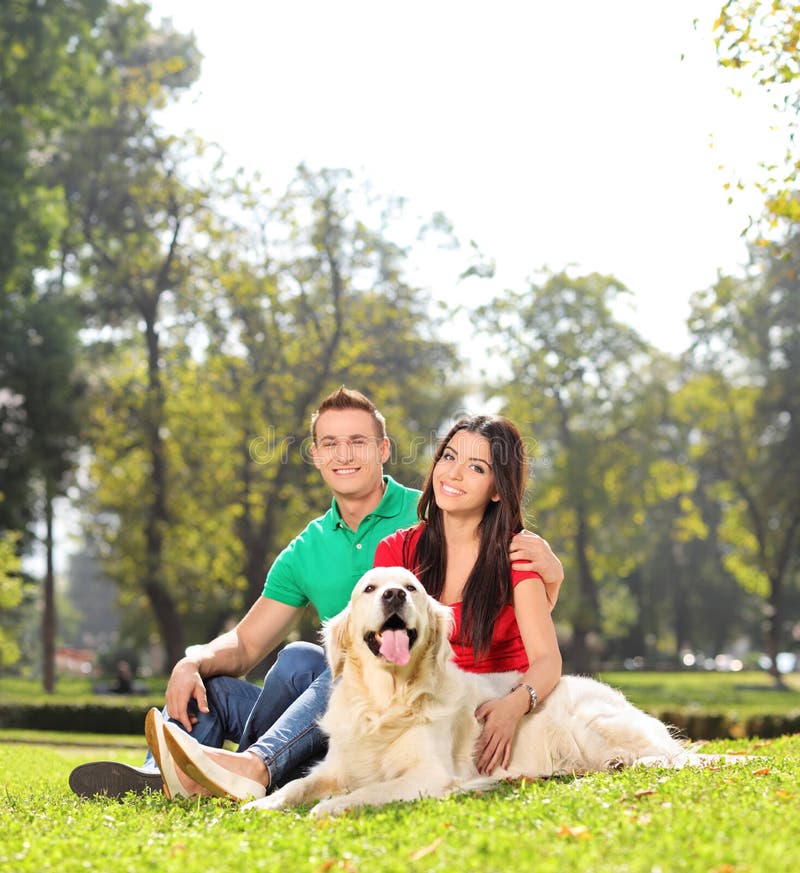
{"points": [[405, 533], [390, 549]]}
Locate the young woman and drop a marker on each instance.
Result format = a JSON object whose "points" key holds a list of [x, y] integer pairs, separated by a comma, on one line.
{"points": [[471, 506]]}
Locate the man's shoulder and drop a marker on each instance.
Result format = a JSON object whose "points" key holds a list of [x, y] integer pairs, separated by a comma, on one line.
{"points": [[405, 488], [398, 491], [316, 528]]}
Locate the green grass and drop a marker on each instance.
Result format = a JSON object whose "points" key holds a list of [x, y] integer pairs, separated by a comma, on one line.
{"points": [[750, 692], [746, 694], [740, 818], [71, 689]]}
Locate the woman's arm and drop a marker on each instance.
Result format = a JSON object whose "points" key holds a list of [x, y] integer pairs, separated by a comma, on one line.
{"points": [[501, 716]]}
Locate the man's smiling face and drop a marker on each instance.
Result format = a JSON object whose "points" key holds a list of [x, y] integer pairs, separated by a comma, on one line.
{"points": [[349, 452]]}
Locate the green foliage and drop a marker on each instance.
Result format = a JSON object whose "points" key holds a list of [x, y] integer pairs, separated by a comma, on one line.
{"points": [[81, 188], [761, 35], [744, 407], [40, 420], [307, 295], [113, 716], [637, 820], [44, 56], [10, 595], [759, 39], [582, 383]]}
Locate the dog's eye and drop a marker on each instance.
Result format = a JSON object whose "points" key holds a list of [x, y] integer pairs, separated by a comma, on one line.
{"points": [[411, 587], [369, 589]]}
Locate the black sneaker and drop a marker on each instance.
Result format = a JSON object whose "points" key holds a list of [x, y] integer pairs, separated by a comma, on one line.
{"points": [[110, 779]]}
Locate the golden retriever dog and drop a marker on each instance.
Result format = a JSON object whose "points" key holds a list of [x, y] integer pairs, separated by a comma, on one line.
{"points": [[401, 717]]}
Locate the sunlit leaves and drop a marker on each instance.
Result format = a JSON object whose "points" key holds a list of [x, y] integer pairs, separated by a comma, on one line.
{"points": [[10, 594], [759, 38]]}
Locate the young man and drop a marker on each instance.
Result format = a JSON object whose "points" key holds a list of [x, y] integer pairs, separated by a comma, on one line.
{"points": [[275, 726]]}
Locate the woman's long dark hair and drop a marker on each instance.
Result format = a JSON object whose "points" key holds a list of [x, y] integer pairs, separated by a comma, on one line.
{"points": [[488, 588]]}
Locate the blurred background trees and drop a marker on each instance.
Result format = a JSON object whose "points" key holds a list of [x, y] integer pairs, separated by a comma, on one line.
{"points": [[167, 328]]}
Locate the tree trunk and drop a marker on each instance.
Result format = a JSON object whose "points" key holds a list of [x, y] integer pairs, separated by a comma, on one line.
{"points": [[259, 543], [166, 614], [49, 611], [681, 611], [169, 623], [773, 637], [586, 616]]}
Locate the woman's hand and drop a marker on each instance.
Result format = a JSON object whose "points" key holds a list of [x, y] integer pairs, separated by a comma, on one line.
{"points": [[500, 718]]}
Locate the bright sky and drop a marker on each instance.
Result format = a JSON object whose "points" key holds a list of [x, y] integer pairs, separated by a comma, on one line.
{"points": [[552, 132]]}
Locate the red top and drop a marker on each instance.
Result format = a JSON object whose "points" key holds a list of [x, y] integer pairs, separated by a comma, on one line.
{"points": [[506, 650]]}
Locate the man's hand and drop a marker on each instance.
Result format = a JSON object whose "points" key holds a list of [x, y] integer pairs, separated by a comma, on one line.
{"points": [[530, 552], [184, 684]]}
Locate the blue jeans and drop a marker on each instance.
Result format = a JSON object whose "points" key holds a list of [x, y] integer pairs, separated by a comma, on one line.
{"points": [[277, 722]]}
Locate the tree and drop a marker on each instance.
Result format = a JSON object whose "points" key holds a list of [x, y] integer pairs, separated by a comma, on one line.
{"points": [[40, 428], [80, 85], [128, 211], [760, 37], [303, 294], [46, 55], [48, 59], [576, 377], [745, 402]]}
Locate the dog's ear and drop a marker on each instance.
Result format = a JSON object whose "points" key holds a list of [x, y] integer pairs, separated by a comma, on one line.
{"points": [[442, 626], [336, 639]]}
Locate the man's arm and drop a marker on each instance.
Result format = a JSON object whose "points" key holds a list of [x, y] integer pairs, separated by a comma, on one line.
{"points": [[231, 654], [530, 552]]}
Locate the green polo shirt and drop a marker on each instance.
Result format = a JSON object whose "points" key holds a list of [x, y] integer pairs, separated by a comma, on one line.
{"points": [[323, 563]]}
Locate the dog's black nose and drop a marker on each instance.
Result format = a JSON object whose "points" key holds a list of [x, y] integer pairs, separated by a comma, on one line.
{"points": [[393, 597]]}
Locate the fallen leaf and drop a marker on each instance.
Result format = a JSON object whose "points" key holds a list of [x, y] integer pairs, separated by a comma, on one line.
{"points": [[785, 795], [342, 863], [644, 792], [426, 850], [764, 771], [580, 832]]}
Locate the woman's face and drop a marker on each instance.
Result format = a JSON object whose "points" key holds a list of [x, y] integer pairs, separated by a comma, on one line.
{"points": [[463, 478]]}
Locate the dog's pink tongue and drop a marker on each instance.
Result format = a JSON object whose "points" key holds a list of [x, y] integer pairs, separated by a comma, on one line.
{"points": [[394, 646]]}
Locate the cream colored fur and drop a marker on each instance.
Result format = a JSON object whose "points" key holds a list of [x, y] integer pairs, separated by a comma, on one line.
{"points": [[404, 732]]}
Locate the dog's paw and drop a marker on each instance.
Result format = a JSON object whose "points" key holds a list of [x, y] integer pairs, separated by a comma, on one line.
{"points": [[335, 805], [271, 802]]}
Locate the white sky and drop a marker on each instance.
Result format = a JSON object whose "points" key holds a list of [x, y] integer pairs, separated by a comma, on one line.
{"points": [[552, 132]]}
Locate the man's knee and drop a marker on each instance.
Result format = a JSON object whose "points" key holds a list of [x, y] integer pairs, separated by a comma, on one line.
{"points": [[300, 659], [225, 691]]}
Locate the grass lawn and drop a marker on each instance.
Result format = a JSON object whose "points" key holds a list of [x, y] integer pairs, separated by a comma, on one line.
{"points": [[740, 694], [744, 693], [741, 818]]}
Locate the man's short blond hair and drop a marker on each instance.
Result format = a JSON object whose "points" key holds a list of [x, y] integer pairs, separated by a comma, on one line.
{"points": [[347, 398]]}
